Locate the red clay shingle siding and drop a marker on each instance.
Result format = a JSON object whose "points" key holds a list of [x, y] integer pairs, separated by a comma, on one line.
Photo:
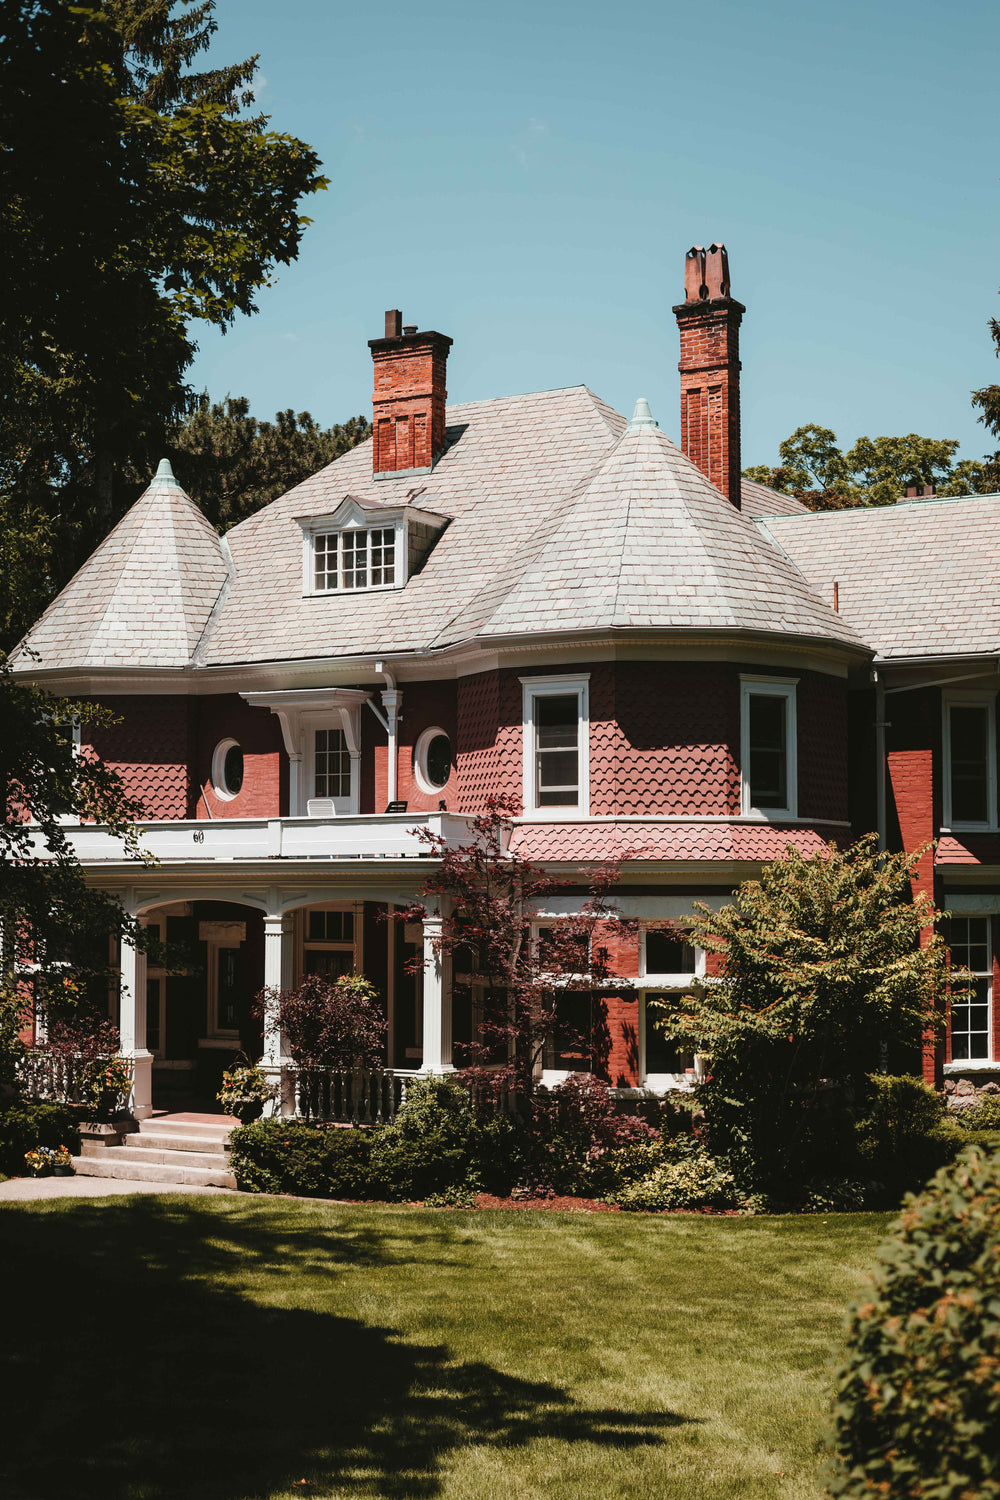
{"points": [[151, 749], [426, 705], [671, 746], [489, 738]]}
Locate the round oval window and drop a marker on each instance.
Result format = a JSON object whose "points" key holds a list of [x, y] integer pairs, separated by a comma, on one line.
{"points": [[438, 760], [232, 770]]}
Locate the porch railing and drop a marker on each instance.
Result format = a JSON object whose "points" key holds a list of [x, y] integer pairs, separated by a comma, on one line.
{"points": [[346, 1096], [58, 1077]]}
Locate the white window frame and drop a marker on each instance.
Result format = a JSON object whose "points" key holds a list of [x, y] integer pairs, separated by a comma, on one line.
{"points": [[776, 687], [981, 699], [658, 1083], [657, 981], [420, 749], [219, 754], [352, 517], [346, 720], [533, 688], [989, 1062]]}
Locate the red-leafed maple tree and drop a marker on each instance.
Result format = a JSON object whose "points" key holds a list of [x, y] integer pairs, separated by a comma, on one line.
{"points": [[518, 970]]}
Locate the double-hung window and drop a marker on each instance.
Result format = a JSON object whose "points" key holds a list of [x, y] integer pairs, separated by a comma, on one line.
{"points": [[970, 760], [359, 558], [556, 745], [331, 764], [970, 941], [768, 747]]}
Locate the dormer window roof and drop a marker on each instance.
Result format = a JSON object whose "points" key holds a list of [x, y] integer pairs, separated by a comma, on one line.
{"points": [[363, 545]]}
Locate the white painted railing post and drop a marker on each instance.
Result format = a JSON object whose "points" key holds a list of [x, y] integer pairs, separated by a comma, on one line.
{"points": [[277, 976], [132, 1028], [437, 1000]]}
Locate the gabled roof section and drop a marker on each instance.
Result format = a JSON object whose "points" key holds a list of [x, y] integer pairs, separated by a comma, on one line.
{"points": [[916, 579], [648, 542], [143, 599], [761, 500]]}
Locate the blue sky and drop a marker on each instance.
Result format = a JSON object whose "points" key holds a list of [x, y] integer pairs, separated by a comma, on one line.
{"points": [[527, 178]]}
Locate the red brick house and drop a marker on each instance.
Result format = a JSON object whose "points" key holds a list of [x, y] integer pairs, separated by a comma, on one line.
{"points": [[537, 596]]}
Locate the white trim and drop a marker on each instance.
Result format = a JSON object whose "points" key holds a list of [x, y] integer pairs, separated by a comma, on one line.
{"points": [[776, 687], [660, 1083], [420, 750], [219, 784], [970, 699], [652, 981], [551, 687]]}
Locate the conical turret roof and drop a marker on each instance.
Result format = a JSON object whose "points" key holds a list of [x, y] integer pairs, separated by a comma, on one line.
{"points": [[649, 542], [144, 597]]}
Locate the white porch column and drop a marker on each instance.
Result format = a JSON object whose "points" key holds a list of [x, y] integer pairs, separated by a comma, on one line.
{"points": [[437, 1000], [278, 932], [132, 1028], [391, 699]]}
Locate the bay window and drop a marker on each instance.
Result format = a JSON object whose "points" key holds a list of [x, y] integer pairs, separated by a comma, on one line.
{"points": [[768, 747], [556, 726]]}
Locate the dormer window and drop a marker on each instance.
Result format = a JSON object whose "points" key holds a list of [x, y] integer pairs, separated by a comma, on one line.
{"points": [[362, 546], [355, 559]]}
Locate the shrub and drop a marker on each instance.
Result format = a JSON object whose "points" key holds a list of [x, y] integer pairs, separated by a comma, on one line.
{"points": [[902, 1110], [918, 1401], [694, 1180], [432, 1144], [24, 1126], [574, 1127], [290, 1156], [330, 1023], [983, 1115]]}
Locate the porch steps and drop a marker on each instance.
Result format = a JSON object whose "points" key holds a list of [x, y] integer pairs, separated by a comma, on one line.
{"points": [[188, 1153]]}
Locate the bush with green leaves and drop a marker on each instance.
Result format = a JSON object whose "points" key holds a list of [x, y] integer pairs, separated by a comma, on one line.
{"points": [[23, 1126], [984, 1114], [918, 1401], [439, 1142], [692, 1180], [576, 1130], [292, 1156]]}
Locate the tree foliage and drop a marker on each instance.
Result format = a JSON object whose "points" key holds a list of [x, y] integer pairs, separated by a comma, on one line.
{"points": [[138, 194], [987, 399], [328, 1023], [875, 471], [513, 980], [231, 464], [918, 1400], [54, 927], [830, 969]]}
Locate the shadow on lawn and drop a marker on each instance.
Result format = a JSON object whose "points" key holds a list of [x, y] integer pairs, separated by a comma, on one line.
{"points": [[137, 1369]]}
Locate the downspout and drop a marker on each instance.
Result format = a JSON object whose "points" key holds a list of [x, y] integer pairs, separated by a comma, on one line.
{"points": [[880, 792], [391, 698]]}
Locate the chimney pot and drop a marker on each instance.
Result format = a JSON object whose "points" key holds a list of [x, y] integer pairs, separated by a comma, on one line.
{"points": [[408, 329], [393, 323], [694, 274]]}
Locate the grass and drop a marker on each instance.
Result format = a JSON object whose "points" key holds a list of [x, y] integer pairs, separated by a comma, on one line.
{"points": [[223, 1349]]}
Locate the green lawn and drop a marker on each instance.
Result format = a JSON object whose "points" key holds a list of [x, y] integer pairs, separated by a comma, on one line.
{"points": [[227, 1348]]}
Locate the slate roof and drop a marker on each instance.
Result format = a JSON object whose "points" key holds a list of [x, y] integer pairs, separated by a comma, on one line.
{"points": [[914, 579], [633, 840], [760, 500], [144, 597], [562, 518], [649, 542]]}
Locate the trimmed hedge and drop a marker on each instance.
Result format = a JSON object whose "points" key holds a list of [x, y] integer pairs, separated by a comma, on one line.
{"points": [[918, 1401], [312, 1161], [25, 1125]]}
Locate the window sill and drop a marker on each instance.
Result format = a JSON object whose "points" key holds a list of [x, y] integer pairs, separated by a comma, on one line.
{"points": [[554, 815], [970, 828], [973, 1065]]}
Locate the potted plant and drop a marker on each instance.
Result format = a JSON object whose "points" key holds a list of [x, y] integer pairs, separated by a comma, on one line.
{"points": [[244, 1092], [107, 1088], [43, 1160]]}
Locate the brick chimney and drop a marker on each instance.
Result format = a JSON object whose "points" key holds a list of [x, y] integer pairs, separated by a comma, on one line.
{"points": [[409, 397], [709, 323]]}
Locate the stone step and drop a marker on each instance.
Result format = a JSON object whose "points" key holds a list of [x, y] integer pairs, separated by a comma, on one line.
{"points": [[172, 1140], [133, 1166], [216, 1161], [222, 1129]]}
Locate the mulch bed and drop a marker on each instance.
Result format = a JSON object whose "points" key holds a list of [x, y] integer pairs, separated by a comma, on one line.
{"points": [[564, 1205]]}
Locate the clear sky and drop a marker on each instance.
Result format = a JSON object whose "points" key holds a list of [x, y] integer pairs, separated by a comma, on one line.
{"points": [[526, 177]]}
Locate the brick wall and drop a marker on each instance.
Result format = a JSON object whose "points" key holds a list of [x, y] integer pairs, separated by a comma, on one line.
{"points": [[821, 710], [151, 748], [427, 705], [264, 793]]}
